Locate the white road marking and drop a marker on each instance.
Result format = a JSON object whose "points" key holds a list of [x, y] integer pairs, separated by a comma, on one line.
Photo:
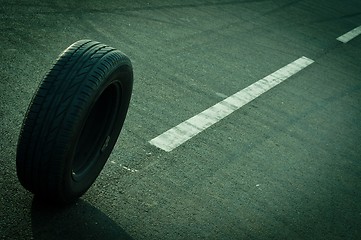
{"points": [[350, 35], [181, 133], [221, 95], [125, 167], [128, 169]]}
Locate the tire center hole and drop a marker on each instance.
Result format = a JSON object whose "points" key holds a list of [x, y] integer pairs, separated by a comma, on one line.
{"points": [[96, 131]]}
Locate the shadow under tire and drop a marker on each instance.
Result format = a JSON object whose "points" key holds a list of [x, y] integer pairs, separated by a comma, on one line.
{"points": [[73, 121]]}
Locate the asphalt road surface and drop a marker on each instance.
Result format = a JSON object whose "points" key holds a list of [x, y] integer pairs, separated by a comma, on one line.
{"points": [[286, 165]]}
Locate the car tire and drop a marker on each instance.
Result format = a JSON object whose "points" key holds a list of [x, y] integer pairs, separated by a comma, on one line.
{"points": [[73, 121]]}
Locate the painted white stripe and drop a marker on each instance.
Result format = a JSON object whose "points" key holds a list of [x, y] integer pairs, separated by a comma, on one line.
{"points": [[350, 35], [129, 169], [181, 133]]}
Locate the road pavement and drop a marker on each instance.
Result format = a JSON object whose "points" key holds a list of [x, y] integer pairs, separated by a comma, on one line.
{"points": [[286, 165]]}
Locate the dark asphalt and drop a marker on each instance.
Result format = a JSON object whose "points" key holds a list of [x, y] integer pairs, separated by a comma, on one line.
{"points": [[285, 166]]}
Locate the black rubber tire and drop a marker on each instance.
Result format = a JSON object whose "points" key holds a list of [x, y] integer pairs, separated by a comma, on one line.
{"points": [[73, 121]]}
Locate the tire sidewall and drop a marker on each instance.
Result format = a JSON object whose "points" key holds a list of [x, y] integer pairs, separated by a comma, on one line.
{"points": [[122, 74]]}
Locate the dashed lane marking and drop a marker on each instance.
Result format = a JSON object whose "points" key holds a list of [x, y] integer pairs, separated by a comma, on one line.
{"points": [[350, 35], [184, 131]]}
